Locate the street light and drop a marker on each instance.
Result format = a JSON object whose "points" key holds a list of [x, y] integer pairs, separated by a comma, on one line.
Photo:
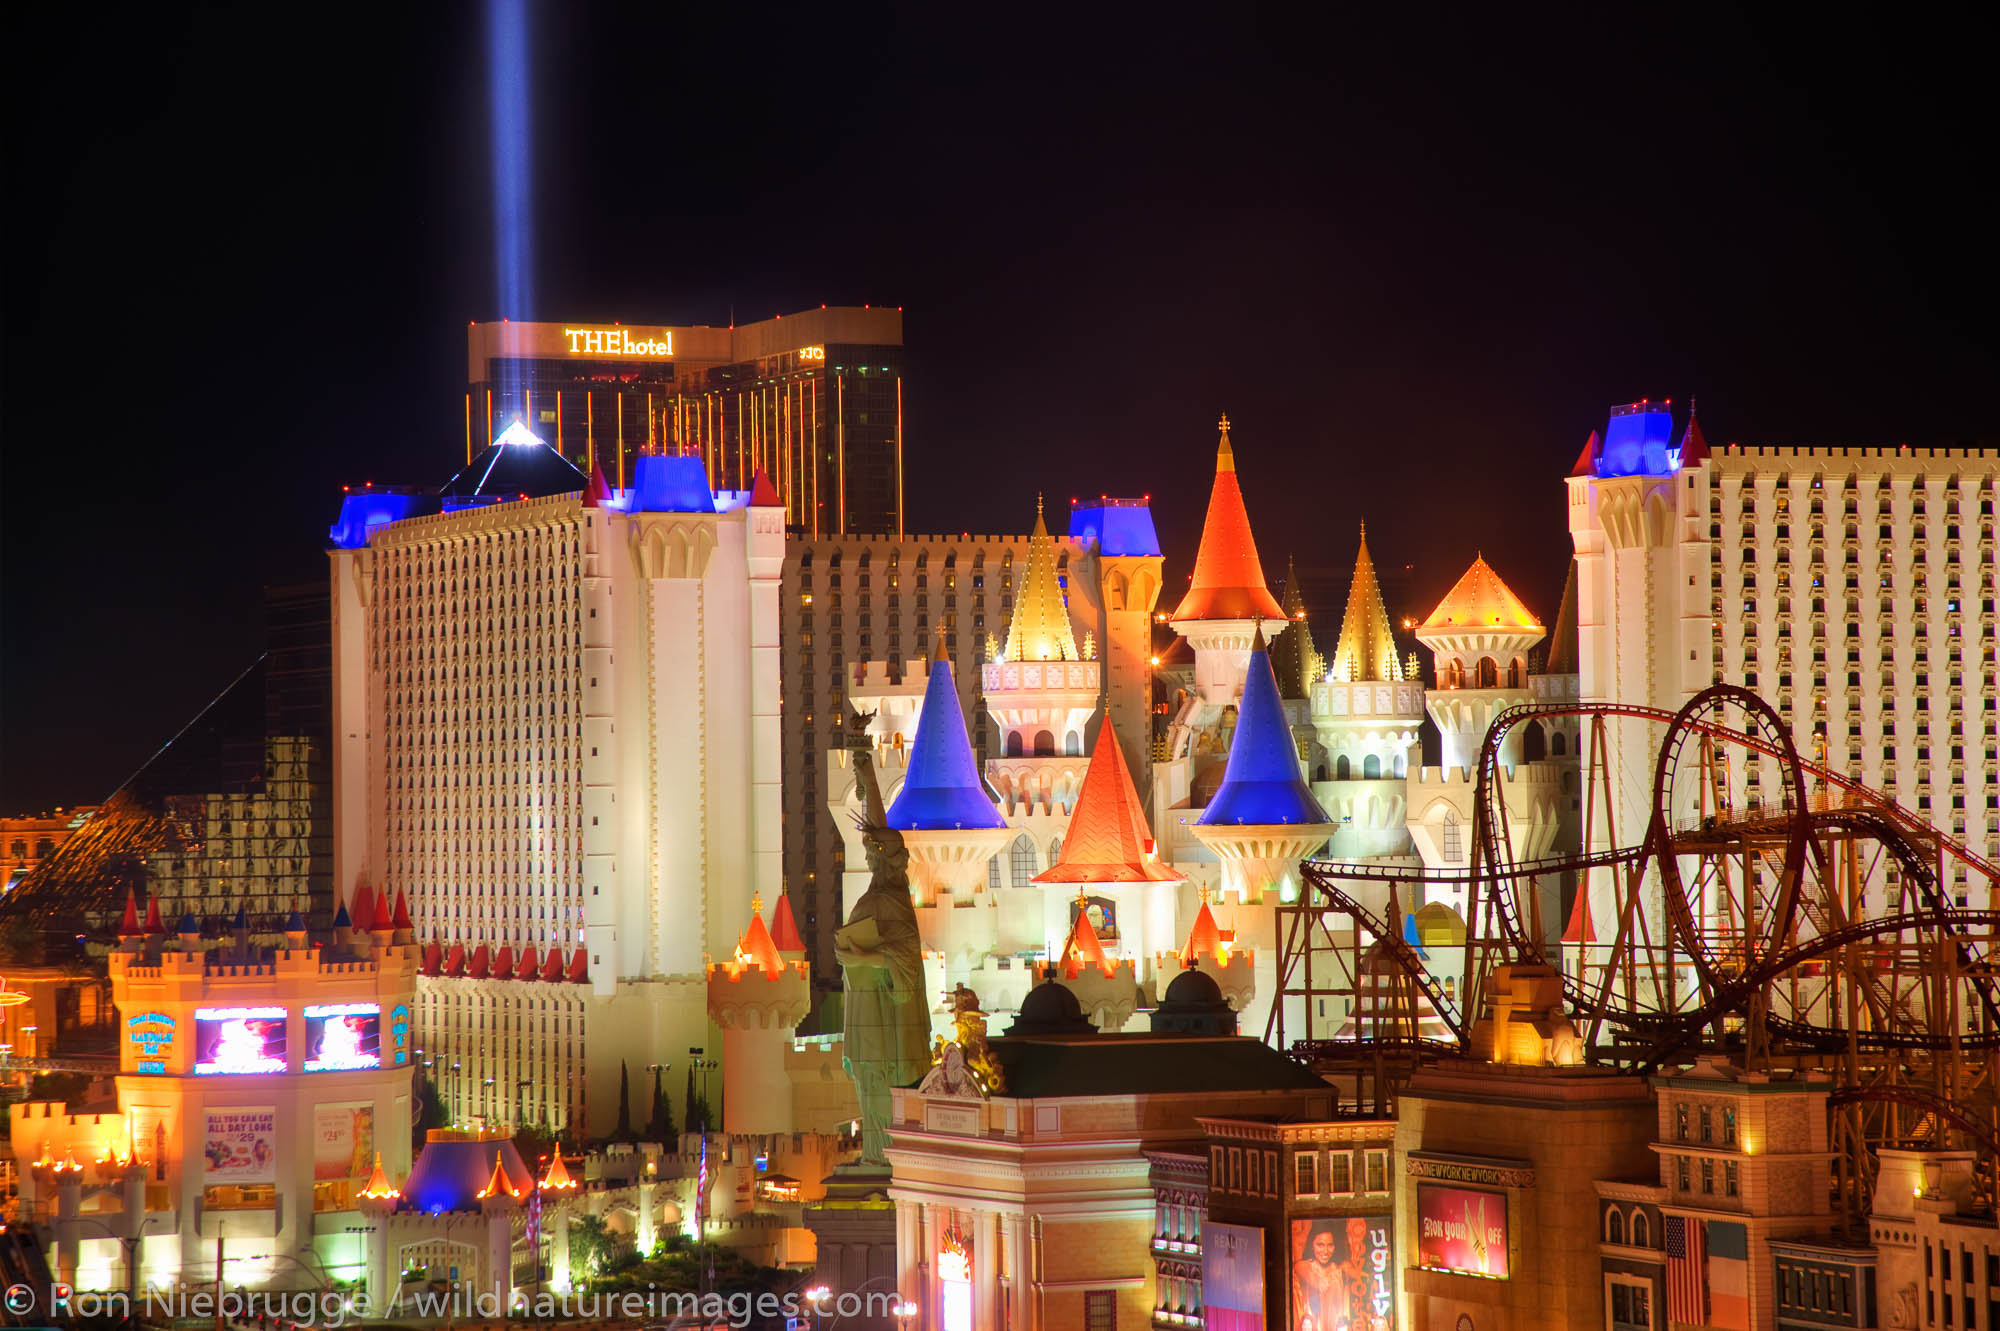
{"points": [[817, 1297], [903, 1313]]}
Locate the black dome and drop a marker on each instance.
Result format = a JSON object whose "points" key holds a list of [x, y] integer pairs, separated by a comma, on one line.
{"points": [[1194, 989], [1051, 1009]]}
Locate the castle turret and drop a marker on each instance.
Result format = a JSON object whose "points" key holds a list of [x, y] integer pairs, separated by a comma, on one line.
{"points": [[1366, 716], [1227, 599], [947, 820], [1122, 560], [1213, 951], [1263, 819], [1479, 636], [757, 997]]}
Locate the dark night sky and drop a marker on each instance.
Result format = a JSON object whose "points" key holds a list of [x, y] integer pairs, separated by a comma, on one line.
{"points": [[1413, 265]]}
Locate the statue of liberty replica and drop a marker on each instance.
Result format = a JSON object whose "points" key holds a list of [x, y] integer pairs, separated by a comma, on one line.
{"points": [[887, 1037]]}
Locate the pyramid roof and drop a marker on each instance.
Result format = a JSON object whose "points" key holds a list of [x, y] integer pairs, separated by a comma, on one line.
{"points": [[763, 494], [785, 929], [517, 463], [1481, 600], [1261, 785], [1367, 646], [1562, 640], [1228, 580], [1107, 837], [941, 789], [1694, 447], [1586, 461], [1040, 629]]}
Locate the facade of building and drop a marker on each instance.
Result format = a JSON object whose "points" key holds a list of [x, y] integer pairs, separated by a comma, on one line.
{"points": [[814, 400], [29, 839], [556, 709]]}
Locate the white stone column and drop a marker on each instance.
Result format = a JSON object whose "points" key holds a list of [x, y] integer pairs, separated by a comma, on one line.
{"points": [[985, 1271], [909, 1244]]}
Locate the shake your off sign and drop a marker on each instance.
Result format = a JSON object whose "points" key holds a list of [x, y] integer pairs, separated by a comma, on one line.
{"points": [[617, 342]]}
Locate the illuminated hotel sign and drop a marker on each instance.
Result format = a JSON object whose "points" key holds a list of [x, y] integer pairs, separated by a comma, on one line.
{"points": [[619, 342], [812, 353], [152, 1035]]}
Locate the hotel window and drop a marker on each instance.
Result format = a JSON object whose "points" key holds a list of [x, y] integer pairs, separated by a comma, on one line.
{"points": [[1100, 1310], [1729, 1185], [1707, 1125], [1680, 1122], [1707, 1175], [1235, 1169], [1339, 1172], [1681, 1172], [1306, 1180], [1250, 1171], [1631, 1307], [1378, 1171]]}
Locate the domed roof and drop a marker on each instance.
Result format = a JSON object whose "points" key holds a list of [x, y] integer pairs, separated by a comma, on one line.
{"points": [[1192, 989], [1481, 600], [1051, 1009]]}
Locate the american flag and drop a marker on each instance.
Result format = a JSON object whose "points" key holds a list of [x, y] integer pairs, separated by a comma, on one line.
{"points": [[1687, 1277]]}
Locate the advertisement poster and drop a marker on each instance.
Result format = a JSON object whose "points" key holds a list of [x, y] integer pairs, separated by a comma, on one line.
{"points": [[1343, 1278], [343, 1141], [235, 1040], [1232, 1277], [240, 1146], [1459, 1229]]}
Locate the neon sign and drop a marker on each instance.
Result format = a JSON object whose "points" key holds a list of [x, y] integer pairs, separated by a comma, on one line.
{"points": [[343, 1036], [231, 1041], [617, 342], [812, 353]]}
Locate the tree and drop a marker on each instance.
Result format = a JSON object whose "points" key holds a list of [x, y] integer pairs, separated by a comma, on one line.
{"points": [[624, 1132], [660, 1124], [698, 1119], [428, 1110]]}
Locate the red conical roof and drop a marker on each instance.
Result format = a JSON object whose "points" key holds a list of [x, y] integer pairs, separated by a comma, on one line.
{"points": [[128, 923], [154, 925], [756, 948], [763, 494], [1205, 938], [1579, 929], [599, 490], [1083, 947], [1107, 837], [1586, 461], [432, 960], [785, 929], [1228, 579], [1694, 448], [552, 965], [454, 960], [385, 914], [363, 914], [530, 965], [401, 919], [481, 963], [579, 967]]}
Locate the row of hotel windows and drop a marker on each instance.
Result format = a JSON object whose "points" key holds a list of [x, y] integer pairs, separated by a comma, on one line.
{"points": [[1340, 1173], [1684, 1172]]}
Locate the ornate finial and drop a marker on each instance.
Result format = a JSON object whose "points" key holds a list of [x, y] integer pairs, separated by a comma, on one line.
{"points": [[1202, 892], [756, 902], [937, 649], [1223, 425], [1038, 505]]}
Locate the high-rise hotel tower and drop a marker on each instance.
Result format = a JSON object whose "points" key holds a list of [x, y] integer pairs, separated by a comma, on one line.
{"points": [[814, 400], [556, 732]]}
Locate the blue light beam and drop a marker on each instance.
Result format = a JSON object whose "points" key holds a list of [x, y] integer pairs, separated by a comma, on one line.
{"points": [[513, 219]]}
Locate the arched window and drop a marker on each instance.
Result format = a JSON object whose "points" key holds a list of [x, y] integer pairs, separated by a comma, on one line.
{"points": [[1055, 851], [1559, 744], [1341, 768], [1641, 1232], [1487, 674], [993, 873], [1021, 860], [1073, 744], [1402, 765], [1614, 1225], [1319, 772], [1448, 842], [1514, 673], [19, 850], [1013, 744], [1045, 744], [1534, 742], [1371, 768]]}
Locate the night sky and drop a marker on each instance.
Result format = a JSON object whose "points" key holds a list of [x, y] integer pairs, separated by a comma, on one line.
{"points": [[1414, 265]]}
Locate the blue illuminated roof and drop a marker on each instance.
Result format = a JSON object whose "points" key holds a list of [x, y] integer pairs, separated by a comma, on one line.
{"points": [[1119, 526], [942, 790], [671, 483], [448, 1175], [363, 512], [1636, 441], [1261, 786]]}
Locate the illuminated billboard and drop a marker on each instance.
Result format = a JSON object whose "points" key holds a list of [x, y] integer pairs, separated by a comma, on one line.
{"points": [[1463, 1230], [1343, 1277], [341, 1037], [240, 1145], [1232, 1277], [235, 1040]]}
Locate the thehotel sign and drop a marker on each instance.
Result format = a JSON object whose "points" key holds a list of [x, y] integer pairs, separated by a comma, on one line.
{"points": [[618, 342]]}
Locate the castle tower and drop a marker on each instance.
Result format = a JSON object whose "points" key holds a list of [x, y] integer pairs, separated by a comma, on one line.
{"points": [[947, 819], [1108, 867], [1479, 637], [1263, 819], [1122, 566], [1226, 599], [1366, 714], [757, 997], [1041, 693]]}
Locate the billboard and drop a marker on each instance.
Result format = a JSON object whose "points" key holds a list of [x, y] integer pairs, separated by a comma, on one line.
{"points": [[1462, 1229], [341, 1037], [239, 1145], [343, 1141], [1232, 1277], [1342, 1275], [235, 1040]]}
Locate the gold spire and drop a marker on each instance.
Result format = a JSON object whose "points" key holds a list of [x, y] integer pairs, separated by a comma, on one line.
{"points": [[1040, 629], [1366, 650], [1225, 457]]}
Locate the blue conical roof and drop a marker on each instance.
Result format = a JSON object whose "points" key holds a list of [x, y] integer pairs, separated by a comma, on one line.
{"points": [[1262, 786], [671, 483], [942, 790]]}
